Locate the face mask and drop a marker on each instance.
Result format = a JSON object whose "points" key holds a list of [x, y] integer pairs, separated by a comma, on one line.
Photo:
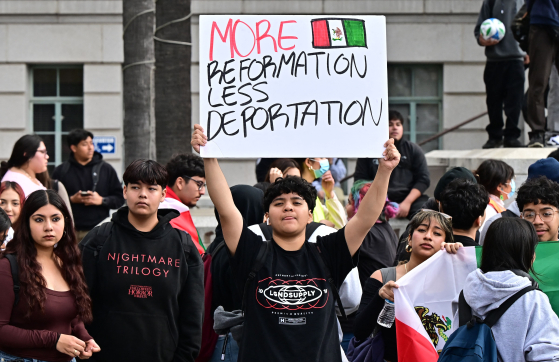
{"points": [[512, 189], [324, 167]]}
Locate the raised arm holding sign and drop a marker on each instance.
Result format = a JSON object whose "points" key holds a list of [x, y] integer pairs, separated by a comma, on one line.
{"points": [[270, 82]]}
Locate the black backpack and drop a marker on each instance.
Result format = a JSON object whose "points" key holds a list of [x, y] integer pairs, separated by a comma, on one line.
{"points": [[520, 26]]}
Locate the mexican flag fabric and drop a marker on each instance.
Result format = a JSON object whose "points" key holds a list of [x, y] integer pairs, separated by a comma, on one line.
{"points": [[423, 303], [338, 33]]}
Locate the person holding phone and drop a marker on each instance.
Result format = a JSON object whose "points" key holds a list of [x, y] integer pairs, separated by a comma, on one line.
{"points": [[92, 183]]}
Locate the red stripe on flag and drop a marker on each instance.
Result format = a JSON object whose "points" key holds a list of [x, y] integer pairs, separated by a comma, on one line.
{"points": [[321, 36], [412, 346]]}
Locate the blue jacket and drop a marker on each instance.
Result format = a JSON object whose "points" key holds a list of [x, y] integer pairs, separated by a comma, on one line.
{"points": [[544, 12]]}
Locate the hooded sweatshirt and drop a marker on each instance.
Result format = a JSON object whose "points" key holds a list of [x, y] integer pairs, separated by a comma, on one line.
{"points": [[80, 177], [504, 10], [147, 292], [529, 329], [411, 172]]}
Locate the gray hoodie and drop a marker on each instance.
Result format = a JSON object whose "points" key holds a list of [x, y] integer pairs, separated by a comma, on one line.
{"points": [[504, 10], [529, 329]]}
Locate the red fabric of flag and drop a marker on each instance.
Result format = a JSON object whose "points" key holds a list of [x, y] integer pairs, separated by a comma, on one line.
{"points": [[321, 36]]}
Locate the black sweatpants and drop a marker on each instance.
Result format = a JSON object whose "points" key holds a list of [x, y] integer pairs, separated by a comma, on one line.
{"points": [[504, 85]]}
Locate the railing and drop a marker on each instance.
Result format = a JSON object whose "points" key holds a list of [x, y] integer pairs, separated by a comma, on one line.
{"points": [[437, 136]]}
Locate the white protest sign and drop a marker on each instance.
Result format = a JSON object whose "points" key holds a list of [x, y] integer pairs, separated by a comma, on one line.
{"points": [[293, 86]]}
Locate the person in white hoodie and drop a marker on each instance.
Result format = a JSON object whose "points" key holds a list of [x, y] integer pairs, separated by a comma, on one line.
{"points": [[529, 329]]}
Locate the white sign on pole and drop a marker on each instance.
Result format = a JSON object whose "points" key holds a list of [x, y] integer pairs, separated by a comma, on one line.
{"points": [[293, 86]]}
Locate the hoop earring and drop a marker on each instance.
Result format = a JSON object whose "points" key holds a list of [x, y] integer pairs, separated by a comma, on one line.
{"points": [[408, 248]]}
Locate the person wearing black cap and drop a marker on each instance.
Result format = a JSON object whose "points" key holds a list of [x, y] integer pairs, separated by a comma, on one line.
{"points": [[548, 167]]}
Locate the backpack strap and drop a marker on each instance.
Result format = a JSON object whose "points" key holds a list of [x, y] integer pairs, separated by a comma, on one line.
{"points": [[266, 230], [185, 239], [15, 275], [315, 250], [65, 169], [258, 264], [218, 248], [464, 310], [311, 228], [494, 315], [103, 235], [95, 174]]}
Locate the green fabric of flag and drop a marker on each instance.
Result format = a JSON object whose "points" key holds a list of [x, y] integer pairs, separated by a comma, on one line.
{"points": [[355, 33], [546, 267]]}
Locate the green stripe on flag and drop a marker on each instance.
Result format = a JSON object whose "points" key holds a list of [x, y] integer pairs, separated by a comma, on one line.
{"points": [[355, 33], [547, 268]]}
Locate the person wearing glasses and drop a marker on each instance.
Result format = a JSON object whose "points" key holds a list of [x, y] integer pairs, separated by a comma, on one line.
{"points": [[465, 201], [538, 201], [185, 186], [27, 165], [91, 183], [430, 231]]}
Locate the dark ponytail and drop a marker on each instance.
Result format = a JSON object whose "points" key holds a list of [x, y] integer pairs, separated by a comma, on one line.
{"points": [[24, 149]]}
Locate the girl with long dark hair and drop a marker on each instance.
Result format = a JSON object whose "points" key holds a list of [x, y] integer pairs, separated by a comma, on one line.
{"points": [[529, 330], [46, 321], [430, 231], [27, 165]]}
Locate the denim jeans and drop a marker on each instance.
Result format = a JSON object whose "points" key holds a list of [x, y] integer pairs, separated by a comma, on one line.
{"points": [[231, 351], [4, 357]]}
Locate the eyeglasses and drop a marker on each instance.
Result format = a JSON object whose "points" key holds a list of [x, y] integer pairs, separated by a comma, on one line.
{"points": [[200, 184], [446, 216], [44, 152], [546, 215]]}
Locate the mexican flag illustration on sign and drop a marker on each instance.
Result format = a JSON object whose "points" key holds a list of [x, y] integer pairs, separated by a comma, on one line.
{"points": [[338, 33]]}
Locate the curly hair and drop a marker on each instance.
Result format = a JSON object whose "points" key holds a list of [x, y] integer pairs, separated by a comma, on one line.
{"points": [[465, 201], [32, 282], [290, 184], [536, 191], [184, 165]]}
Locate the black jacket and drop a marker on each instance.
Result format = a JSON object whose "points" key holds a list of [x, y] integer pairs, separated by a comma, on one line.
{"points": [[411, 172], [80, 177], [147, 292]]}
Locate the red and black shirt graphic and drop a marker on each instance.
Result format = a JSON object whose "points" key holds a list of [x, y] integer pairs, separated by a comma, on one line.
{"points": [[289, 314]]}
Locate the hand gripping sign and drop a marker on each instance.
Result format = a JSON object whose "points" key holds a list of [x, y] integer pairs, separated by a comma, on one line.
{"points": [[293, 86]]}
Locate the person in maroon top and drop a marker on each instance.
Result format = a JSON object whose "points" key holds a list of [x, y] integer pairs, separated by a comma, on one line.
{"points": [[47, 322]]}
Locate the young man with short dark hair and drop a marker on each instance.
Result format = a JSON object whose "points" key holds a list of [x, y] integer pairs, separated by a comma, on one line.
{"points": [[288, 303], [465, 201], [145, 277], [186, 184], [92, 184], [538, 201], [411, 177]]}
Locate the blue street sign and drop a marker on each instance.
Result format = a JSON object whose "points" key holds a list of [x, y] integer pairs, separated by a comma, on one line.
{"points": [[105, 144]]}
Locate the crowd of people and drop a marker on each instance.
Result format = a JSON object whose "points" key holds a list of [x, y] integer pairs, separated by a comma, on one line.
{"points": [[293, 273]]}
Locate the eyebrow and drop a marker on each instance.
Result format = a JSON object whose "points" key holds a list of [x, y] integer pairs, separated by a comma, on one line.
{"points": [[292, 198], [44, 215]]}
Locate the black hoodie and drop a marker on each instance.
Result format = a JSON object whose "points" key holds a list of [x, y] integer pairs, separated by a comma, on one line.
{"points": [[147, 292], [411, 172], [80, 177]]}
